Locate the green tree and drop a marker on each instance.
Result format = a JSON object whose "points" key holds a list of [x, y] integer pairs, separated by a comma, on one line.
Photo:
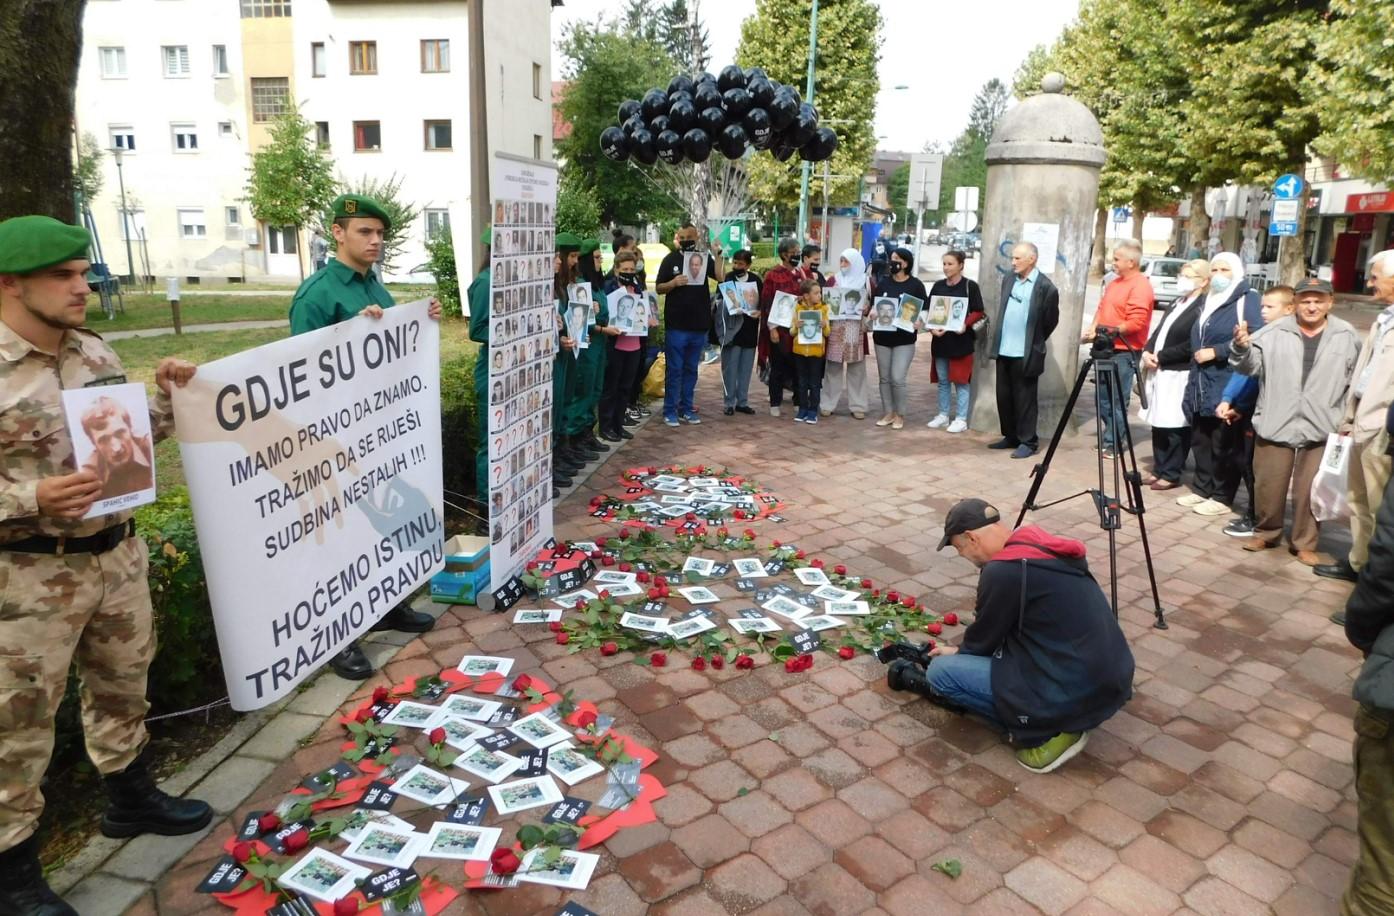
{"points": [[1352, 80], [87, 175], [290, 181], [578, 210], [1027, 79], [898, 192], [401, 213], [604, 66], [692, 57], [775, 37], [440, 251], [965, 164]]}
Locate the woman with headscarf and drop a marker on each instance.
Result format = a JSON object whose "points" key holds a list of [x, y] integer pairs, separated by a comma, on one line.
{"points": [[896, 349], [845, 359], [1167, 360], [1218, 445]]}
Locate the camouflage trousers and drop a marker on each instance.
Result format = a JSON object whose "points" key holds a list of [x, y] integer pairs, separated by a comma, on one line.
{"points": [[92, 607], [1371, 889]]}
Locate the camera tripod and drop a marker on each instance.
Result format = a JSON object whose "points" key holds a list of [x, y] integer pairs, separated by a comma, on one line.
{"points": [[1118, 492]]}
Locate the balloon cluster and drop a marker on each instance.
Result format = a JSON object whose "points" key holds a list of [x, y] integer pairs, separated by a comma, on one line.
{"points": [[728, 112]]}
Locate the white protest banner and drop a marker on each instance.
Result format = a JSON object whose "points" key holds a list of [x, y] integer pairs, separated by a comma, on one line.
{"points": [[523, 342], [314, 468]]}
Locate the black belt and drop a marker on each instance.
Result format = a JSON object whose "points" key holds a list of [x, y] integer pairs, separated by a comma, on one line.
{"points": [[101, 542]]}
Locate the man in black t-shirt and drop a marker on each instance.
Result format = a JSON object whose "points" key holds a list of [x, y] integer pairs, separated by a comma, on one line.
{"points": [[687, 318]]}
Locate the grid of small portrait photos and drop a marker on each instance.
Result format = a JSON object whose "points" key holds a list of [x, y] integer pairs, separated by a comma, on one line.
{"points": [[522, 344]]}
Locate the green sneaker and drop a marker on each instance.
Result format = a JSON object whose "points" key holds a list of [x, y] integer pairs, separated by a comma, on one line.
{"points": [[1053, 753]]}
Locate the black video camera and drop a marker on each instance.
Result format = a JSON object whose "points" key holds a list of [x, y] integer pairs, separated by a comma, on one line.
{"points": [[908, 651], [1105, 341]]}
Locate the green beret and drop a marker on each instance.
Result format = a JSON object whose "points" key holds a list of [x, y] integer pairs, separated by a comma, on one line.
{"points": [[568, 241], [589, 246], [30, 243], [347, 206], [486, 238]]}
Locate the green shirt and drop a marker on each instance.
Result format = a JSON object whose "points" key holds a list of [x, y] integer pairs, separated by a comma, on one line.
{"points": [[334, 294]]}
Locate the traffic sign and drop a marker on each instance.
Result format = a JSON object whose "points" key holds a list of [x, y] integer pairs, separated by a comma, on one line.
{"points": [[923, 192], [1283, 220], [1288, 187], [966, 198], [962, 220], [1122, 214]]}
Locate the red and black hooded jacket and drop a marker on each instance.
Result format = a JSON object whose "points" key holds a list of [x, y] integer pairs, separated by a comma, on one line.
{"points": [[1060, 660]]}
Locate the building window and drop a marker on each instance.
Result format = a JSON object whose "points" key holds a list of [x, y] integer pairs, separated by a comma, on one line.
{"points": [[435, 55], [280, 240], [191, 224], [537, 81], [537, 146], [367, 136], [113, 63], [225, 129], [270, 97], [176, 58], [185, 138], [220, 67], [265, 9], [132, 225], [438, 135], [363, 57], [437, 222], [232, 216], [322, 134], [319, 61], [123, 137]]}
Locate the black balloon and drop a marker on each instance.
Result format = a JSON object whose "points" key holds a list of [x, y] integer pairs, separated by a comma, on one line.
{"points": [[761, 91], [711, 120], [655, 103], [736, 103], [706, 96], [823, 144], [628, 109], [758, 128], [613, 144], [635, 123], [670, 147], [793, 93], [755, 73], [730, 78], [696, 145], [705, 77], [732, 141], [644, 147], [675, 97], [807, 107], [682, 117], [803, 128], [783, 110], [782, 151], [658, 125], [680, 83]]}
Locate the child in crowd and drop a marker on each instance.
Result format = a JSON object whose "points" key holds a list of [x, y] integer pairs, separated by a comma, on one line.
{"points": [[1237, 405], [810, 340]]}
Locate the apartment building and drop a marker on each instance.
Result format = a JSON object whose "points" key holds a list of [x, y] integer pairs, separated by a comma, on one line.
{"points": [[184, 91]]}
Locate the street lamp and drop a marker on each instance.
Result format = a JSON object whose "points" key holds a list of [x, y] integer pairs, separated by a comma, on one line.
{"points": [[116, 152]]}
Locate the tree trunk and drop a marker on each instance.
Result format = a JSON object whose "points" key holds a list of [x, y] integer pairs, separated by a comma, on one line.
{"points": [[1139, 214], [40, 43], [1292, 254], [1096, 261], [1200, 221]]}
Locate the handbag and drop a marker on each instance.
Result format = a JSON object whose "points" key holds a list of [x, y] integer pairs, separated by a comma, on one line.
{"points": [[1329, 485]]}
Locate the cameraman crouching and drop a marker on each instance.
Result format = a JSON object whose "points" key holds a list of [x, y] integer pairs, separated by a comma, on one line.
{"points": [[1045, 659]]}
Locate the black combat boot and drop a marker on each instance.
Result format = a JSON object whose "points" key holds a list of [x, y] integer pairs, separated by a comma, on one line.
{"points": [[136, 805], [23, 890], [593, 443]]}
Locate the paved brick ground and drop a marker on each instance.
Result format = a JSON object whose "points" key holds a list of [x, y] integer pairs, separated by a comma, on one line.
{"points": [[1225, 787]]}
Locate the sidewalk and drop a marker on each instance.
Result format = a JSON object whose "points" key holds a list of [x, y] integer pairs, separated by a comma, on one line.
{"points": [[1225, 787]]}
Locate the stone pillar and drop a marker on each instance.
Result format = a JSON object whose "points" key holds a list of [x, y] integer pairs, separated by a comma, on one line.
{"points": [[1042, 171]]}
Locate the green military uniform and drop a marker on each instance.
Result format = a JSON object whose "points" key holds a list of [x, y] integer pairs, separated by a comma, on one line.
{"points": [[338, 292], [564, 367], [590, 365], [478, 297], [91, 601]]}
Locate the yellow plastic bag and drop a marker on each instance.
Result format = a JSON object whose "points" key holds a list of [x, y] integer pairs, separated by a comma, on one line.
{"points": [[653, 382]]}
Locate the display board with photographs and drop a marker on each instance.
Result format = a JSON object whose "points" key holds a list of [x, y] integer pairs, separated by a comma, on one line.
{"points": [[883, 313], [109, 426], [810, 327], [845, 303], [908, 312], [523, 342], [629, 313], [782, 309], [945, 313]]}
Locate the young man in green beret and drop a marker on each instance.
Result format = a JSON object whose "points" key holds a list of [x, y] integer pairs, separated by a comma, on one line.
{"points": [[74, 587], [478, 298], [346, 288], [590, 362]]}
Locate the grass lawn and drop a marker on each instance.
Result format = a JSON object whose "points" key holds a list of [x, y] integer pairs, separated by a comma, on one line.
{"points": [[140, 355], [153, 311]]}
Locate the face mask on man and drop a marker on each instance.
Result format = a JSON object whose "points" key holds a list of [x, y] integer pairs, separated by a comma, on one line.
{"points": [[1185, 285], [687, 244], [1219, 283], [627, 277]]}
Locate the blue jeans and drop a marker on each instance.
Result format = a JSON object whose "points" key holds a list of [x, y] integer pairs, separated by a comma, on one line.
{"points": [[683, 352], [965, 680], [960, 396], [1114, 417]]}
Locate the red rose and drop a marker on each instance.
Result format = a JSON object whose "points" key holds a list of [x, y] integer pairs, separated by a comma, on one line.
{"points": [[951, 619], [718, 662], [363, 715], [805, 662], [740, 514], [598, 554], [436, 736], [532, 564], [625, 567], [744, 661], [624, 535], [268, 822], [595, 501], [503, 862], [297, 840], [791, 665], [585, 719], [605, 594], [642, 577], [876, 593], [840, 569], [241, 852], [609, 649], [691, 516], [721, 532], [654, 593], [563, 638], [580, 604], [554, 626], [601, 542], [380, 694], [930, 646], [699, 664], [521, 683], [846, 652], [934, 629], [658, 659], [817, 564], [908, 601], [893, 597], [866, 583], [345, 906], [749, 534], [607, 560], [776, 545], [663, 592], [660, 581], [800, 555]]}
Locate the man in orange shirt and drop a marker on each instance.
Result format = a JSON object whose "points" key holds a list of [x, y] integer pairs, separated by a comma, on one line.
{"points": [[1126, 309]]}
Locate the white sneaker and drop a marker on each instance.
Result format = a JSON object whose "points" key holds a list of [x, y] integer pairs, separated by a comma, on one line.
{"points": [[959, 425], [939, 422], [1211, 508], [1191, 500], [774, 411]]}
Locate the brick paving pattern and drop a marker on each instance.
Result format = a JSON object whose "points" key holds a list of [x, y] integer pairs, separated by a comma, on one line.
{"points": [[1224, 787]]}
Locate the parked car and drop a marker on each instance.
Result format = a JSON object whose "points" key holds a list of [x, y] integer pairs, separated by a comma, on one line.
{"points": [[1162, 274]]}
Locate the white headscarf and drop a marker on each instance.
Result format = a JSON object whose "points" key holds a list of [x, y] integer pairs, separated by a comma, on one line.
{"points": [[854, 277], [1214, 300]]}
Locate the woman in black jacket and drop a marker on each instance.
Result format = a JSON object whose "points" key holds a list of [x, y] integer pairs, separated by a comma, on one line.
{"points": [[952, 351], [1168, 361]]}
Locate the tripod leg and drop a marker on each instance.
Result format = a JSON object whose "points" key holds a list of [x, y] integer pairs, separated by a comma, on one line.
{"points": [[1134, 479], [1038, 472]]}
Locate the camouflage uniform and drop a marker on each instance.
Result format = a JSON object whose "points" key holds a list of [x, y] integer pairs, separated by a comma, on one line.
{"points": [[54, 607]]}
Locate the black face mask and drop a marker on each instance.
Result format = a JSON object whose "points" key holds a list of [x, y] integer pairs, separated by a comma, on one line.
{"points": [[740, 274], [627, 279], [687, 245]]}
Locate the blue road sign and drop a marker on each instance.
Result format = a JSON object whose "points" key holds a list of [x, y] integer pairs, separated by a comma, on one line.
{"points": [[1288, 187], [1283, 220]]}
